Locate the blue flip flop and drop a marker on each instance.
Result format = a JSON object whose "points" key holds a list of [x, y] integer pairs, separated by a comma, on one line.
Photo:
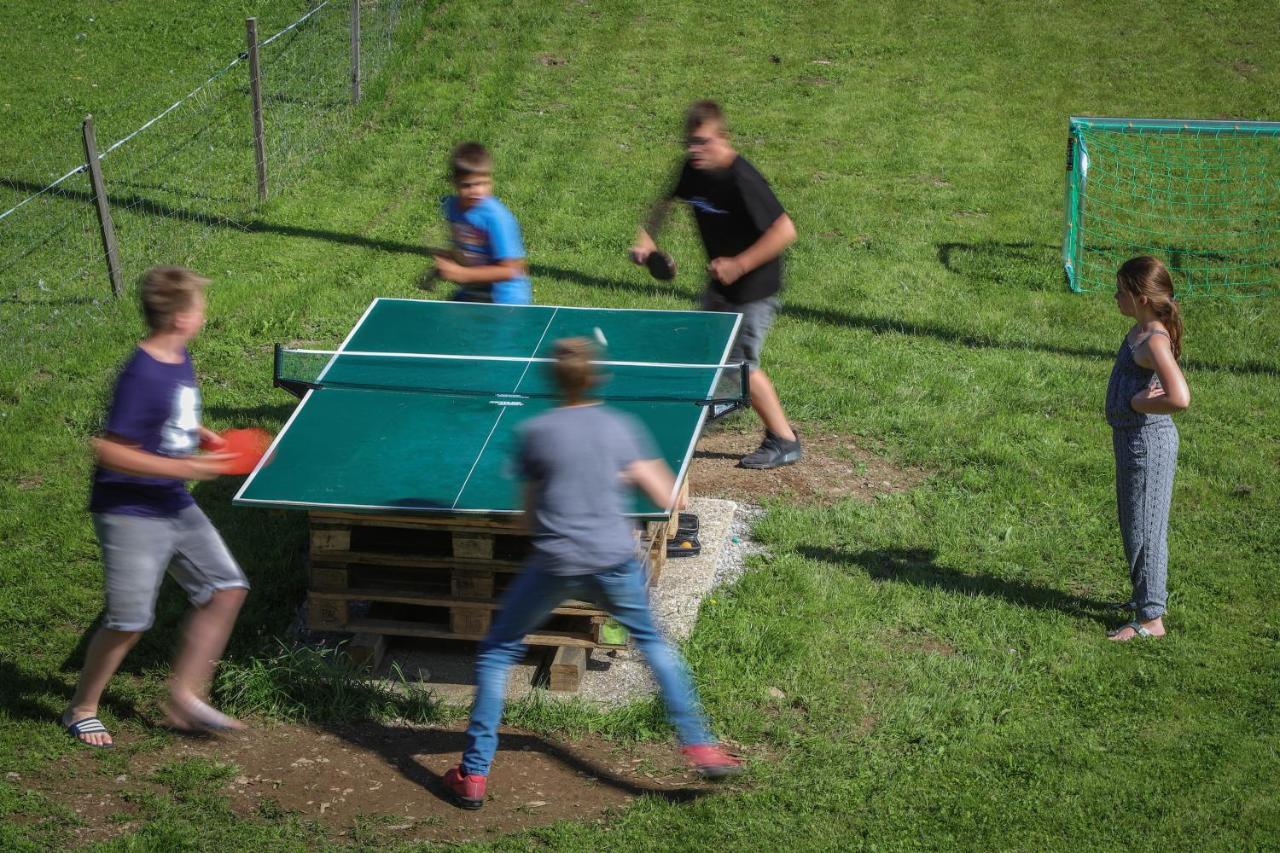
{"points": [[88, 726]]}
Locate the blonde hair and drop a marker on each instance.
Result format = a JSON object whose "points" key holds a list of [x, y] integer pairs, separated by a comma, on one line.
{"points": [[167, 292], [1147, 276], [573, 371]]}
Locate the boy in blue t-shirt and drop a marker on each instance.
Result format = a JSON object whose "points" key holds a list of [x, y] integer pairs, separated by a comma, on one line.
{"points": [[147, 521], [489, 262], [580, 463]]}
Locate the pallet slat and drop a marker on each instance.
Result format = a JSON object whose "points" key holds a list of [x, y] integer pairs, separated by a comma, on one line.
{"points": [[402, 628], [391, 596]]}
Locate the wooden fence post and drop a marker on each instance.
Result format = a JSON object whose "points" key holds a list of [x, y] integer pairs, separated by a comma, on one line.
{"points": [[255, 87], [355, 51], [108, 230]]}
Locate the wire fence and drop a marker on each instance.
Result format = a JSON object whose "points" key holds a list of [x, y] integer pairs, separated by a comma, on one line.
{"points": [[189, 170]]}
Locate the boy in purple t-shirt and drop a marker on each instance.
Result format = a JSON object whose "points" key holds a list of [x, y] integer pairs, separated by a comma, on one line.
{"points": [[147, 522], [488, 262], [580, 462]]}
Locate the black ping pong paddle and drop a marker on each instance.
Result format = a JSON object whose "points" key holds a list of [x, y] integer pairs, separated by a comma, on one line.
{"points": [[661, 265]]}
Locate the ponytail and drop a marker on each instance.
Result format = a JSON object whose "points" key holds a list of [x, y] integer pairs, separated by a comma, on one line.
{"points": [[1170, 313], [1147, 276]]}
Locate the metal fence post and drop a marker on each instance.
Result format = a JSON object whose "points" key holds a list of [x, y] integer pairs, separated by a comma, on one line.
{"points": [[255, 86], [108, 230], [355, 51]]}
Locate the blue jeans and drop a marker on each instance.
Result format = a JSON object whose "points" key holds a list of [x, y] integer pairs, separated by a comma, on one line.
{"points": [[622, 591]]}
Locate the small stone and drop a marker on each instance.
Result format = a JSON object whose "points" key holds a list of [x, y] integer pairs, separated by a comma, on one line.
{"points": [[122, 778], [775, 693], [12, 777], [536, 804]]}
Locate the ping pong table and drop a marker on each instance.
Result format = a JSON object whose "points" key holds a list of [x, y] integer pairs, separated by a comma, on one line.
{"points": [[416, 411]]}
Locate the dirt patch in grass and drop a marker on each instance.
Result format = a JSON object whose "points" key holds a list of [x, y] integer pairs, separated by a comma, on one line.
{"points": [[380, 784], [834, 468]]}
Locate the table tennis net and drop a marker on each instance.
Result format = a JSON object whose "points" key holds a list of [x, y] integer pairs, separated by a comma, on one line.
{"points": [[500, 378]]}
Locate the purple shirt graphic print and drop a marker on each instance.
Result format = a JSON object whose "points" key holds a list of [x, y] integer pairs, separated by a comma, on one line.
{"points": [[156, 407]]}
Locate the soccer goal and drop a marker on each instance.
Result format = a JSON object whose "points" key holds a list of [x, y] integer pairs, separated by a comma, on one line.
{"points": [[1203, 196]]}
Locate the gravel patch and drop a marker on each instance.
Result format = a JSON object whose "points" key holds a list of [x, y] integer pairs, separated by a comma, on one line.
{"points": [[621, 676]]}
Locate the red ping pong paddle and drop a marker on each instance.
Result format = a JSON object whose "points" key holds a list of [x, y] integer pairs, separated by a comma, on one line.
{"points": [[248, 445], [661, 265]]}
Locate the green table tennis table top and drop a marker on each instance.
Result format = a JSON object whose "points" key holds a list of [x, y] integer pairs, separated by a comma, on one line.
{"points": [[366, 448]]}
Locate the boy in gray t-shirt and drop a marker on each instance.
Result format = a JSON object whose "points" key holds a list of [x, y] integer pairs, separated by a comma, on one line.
{"points": [[579, 463], [574, 459]]}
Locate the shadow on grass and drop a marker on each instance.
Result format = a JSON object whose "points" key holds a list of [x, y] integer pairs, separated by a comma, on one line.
{"points": [[276, 413], [988, 256], [919, 567], [36, 696], [1023, 265], [401, 749]]}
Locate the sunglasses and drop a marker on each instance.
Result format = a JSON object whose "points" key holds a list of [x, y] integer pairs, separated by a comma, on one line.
{"points": [[697, 141]]}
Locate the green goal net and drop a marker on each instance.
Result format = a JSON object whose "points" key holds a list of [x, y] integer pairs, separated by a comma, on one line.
{"points": [[1203, 196]]}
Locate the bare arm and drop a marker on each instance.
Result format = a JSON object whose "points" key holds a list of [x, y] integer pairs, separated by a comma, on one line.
{"points": [[644, 242], [1173, 395], [130, 459], [654, 478], [776, 238], [451, 270]]}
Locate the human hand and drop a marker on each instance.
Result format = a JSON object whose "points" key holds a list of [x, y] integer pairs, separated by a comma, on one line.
{"points": [[726, 270], [640, 254], [1139, 402], [205, 466], [449, 269], [211, 441]]}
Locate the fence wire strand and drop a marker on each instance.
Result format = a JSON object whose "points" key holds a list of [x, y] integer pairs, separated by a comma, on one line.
{"points": [[187, 171]]}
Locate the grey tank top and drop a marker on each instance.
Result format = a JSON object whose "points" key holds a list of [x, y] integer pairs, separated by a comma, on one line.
{"points": [[1128, 378]]}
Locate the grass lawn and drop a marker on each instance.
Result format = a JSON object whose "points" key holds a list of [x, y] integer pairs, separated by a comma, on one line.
{"points": [[942, 649]]}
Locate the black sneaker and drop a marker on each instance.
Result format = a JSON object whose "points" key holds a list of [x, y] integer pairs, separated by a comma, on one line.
{"points": [[773, 452]]}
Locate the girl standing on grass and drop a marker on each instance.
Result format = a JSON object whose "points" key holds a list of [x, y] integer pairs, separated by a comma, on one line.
{"points": [[1146, 387]]}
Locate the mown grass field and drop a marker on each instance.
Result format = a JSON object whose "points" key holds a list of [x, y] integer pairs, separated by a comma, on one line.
{"points": [[942, 649]]}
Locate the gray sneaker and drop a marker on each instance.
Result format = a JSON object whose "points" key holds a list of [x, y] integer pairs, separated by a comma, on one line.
{"points": [[773, 452]]}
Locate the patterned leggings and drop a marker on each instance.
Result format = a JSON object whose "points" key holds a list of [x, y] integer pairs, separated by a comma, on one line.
{"points": [[1146, 457]]}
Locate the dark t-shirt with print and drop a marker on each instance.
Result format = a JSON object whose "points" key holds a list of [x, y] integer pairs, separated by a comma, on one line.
{"points": [[733, 208], [155, 406]]}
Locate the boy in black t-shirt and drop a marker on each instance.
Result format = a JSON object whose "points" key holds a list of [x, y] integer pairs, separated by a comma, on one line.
{"points": [[744, 230]]}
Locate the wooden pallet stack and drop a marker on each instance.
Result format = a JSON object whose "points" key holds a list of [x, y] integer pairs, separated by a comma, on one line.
{"points": [[443, 577]]}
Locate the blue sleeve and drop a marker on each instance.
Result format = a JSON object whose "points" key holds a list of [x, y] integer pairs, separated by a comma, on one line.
{"points": [[504, 234]]}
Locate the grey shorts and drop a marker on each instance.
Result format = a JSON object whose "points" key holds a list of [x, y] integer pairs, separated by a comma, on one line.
{"points": [[137, 551], [757, 319]]}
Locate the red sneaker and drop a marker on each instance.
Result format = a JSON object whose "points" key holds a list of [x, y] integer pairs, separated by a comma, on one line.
{"points": [[467, 790], [711, 761]]}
